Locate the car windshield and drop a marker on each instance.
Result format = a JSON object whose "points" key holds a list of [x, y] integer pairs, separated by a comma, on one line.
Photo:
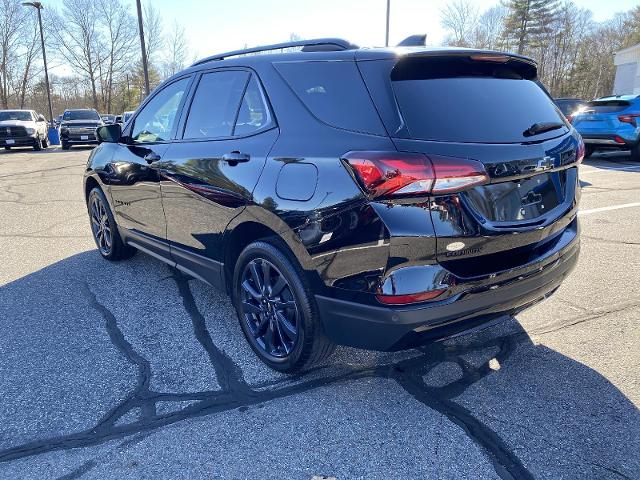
{"points": [[15, 115], [81, 115]]}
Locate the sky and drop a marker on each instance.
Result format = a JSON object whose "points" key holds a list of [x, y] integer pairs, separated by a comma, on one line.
{"points": [[217, 26]]}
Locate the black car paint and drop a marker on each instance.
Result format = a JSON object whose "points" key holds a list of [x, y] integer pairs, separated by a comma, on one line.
{"points": [[349, 247]]}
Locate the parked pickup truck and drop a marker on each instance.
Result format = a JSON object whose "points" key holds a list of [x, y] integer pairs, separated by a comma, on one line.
{"points": [[23, 128]]}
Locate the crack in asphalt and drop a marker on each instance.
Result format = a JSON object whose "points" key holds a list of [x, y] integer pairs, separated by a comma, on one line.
{"points": [[80, 471], [593, 314], [607, 240], [236, 393]]}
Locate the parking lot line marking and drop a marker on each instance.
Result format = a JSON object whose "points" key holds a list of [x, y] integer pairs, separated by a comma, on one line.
{"points": [[605, 209], [631, 168]]}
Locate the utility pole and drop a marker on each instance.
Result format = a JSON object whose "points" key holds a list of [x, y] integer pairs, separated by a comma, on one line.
{"points": [[145, 67], [38, 6], [386, 41]]}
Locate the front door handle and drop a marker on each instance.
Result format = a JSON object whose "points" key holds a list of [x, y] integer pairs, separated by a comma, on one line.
{"points": [[152, 157], [235, 157]]}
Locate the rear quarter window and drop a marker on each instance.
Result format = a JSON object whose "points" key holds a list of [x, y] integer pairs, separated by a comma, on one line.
{"points": [[334, 93]]}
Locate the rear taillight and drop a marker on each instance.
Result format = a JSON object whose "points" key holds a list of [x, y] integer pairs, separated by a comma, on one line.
{"points": [[629, 118], [580, 151], [402, 173]]}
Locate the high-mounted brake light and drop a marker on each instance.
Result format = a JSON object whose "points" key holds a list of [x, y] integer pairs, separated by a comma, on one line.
{"points": [[403, 173], [629, 118], [483, 57]]}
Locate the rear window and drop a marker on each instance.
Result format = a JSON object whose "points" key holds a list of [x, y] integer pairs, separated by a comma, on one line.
{"points": [[334, 93], [607, 106], [569, 106], [463, 101]]}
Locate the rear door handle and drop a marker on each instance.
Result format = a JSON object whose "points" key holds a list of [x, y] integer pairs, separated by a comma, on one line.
{"points": [[235, 157], [152, 157]]}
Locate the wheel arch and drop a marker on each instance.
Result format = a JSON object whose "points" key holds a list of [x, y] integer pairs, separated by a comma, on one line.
{"points": [[253, 225]]}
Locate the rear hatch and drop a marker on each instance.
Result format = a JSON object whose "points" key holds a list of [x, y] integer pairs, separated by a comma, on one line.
{"points": [[601, 117], [490, 109]]}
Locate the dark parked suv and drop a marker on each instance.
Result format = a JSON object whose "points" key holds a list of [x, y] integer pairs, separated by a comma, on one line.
{"points": [[78, 127], [378, 198]]}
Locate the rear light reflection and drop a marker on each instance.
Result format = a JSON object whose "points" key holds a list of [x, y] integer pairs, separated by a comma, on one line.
{"points": [[618, 139], [402, 173], [410, 298], [580, 151]]}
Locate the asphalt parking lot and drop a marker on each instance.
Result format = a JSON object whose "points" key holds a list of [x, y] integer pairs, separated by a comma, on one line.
{"points": [[131, 370]]}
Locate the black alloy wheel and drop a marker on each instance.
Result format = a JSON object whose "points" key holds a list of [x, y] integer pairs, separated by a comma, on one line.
{"points": [[269, 309], [276, 308], [101, 225]]}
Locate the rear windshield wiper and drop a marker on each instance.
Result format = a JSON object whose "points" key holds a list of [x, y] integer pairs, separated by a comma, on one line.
{"points": [[542, 127]]}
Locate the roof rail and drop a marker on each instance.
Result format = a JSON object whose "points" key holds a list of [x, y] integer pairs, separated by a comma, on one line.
{"points": [[314, 45]]}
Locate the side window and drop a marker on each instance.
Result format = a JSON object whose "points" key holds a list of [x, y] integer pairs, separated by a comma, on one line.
{"points": [[215, 105], [254, 113], [334, 93], [155, 121]]}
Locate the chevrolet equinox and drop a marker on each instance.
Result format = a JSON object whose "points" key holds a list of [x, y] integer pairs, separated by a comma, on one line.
{"points": [[379, 198]]}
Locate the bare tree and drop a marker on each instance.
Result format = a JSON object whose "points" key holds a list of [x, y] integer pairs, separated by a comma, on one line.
{"points": [[79, 41], [489, 28], [13, 18], [120, 33], [153, 32], [460, 19], [177, 50]]}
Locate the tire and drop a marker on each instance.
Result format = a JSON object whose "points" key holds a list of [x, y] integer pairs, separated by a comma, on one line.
{"points": [[635, 152], [261, 322], [110, 244], [45, 142], [65, 146], [7, 148], [37, 144], [588, 151]]}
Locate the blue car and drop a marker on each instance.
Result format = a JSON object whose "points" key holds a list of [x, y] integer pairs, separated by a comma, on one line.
{"points": [[610, 123]]}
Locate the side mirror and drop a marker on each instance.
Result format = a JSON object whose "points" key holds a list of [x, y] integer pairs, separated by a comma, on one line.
{"points": [[41, 118], [110, 133]]}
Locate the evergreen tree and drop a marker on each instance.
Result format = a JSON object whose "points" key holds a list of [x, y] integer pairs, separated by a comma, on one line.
{"points": [[528, 22]]}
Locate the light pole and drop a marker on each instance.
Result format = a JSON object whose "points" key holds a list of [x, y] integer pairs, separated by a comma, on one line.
{"points": [[38, 6], [386, 41], [145, 67]]}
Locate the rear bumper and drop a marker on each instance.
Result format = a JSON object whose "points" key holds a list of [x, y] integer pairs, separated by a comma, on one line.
{"points": [[607, 140], [388, 329]]}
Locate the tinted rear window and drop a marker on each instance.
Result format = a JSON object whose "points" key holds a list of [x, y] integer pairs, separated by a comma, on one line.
{"points": [[461, 101], [569, 106], [334, 93]]}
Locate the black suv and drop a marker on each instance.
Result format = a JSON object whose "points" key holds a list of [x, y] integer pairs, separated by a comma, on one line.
{"points": [[379, 198], [78, 127]]}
